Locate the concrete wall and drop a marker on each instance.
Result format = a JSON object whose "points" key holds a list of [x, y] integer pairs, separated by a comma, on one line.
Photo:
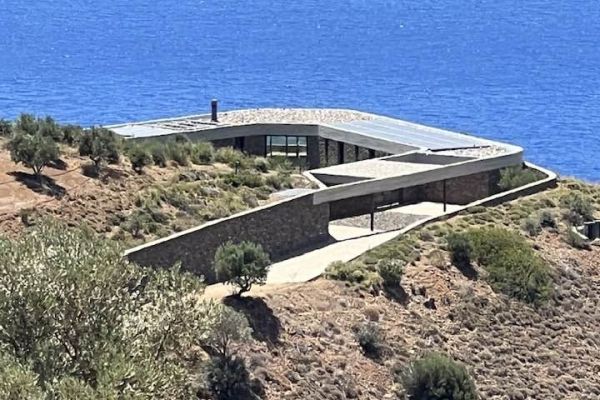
{"points": [[281, 228]]}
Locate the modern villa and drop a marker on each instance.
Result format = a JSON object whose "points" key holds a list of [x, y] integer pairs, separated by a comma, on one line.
{"points": [[361, 163]]}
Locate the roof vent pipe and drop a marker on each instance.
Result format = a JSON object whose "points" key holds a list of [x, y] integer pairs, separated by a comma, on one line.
{"points": [[214, 104]]}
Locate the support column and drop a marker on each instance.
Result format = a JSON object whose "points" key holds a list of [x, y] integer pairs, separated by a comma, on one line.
{"points": [[444, 194], [313, 155], [371, 153], [372, 212]]}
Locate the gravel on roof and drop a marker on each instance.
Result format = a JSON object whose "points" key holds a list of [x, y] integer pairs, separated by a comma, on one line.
{"points": [[291, 116]]}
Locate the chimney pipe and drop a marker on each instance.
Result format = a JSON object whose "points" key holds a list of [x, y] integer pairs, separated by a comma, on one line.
{"points": [[213, 110]]}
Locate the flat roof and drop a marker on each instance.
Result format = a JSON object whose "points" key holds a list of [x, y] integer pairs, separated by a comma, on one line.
{"points": [[375, 168], [349, 123]]}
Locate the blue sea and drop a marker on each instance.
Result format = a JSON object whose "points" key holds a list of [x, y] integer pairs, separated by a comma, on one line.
{"points": [[526, 72]]}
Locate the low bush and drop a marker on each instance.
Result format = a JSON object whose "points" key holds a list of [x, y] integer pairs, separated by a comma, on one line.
{"points": [[547, 220], [279, 181], [228, 379], [513, 268], [6, 128], [519, 273], [390, 271], [437, 377], [370, 339], [139, 157], [202, 153], [514, 177], [261, 164], [72, 134], [179, 153], [159, 154], [460, 248], [353, 272], [232, 157], [579, 207], [532, 226], [244, 178]]}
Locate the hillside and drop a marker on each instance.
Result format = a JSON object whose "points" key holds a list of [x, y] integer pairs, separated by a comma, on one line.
{"points": [[307, 347], [135, 207]]}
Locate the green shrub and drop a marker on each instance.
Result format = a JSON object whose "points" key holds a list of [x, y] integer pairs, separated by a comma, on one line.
{"points": [[547, 220], [139, 157], [244, 178], [575, 240], [370, 339], [159, 154], [390, 271], [460, 248], [228, 379], [579, 207], [354, 271], [6, 128], [261, 164], [202, 153], [514, 177], [34, 151], [242, 265], [179, 152], [513, 268], [279, 180], [532, 226], [231, 157], [436, 377], [72, 134], [18, 381]]}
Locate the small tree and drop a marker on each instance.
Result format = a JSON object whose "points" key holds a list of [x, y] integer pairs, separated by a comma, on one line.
{"points": [[229, 328], [139, 157], [100, 145], [242, 265], [6, 128], [30, 124], [33, 151], [437, 377]]}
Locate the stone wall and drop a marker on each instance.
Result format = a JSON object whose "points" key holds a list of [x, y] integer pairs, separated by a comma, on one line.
{"points": [[463, 189], [281, 228]]}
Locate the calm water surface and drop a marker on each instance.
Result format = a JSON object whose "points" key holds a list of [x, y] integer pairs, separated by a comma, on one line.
{"points": [[526, 72]]}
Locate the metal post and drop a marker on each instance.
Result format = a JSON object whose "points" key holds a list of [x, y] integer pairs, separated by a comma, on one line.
{"points": [[214, 105], [444, 194], [271, 145], [372, 213], [356, 153], [286, 145], [297, 148]]}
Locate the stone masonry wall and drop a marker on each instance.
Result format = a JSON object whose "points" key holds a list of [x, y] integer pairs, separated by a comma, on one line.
{"points": [[282, 229], [463, 189]]}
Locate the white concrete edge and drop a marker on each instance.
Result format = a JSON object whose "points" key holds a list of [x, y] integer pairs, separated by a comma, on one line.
{"points": [[462, 168]]}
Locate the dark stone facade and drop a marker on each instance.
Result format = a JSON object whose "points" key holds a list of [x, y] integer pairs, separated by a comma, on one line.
{"points": [[461, 190], [282, 229], [329, 153]]}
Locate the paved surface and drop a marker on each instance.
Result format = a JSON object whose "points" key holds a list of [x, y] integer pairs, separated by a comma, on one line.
{"points": [[350, 243]]}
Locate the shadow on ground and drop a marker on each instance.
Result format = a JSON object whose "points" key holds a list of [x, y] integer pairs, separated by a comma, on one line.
{"points": [[47, 186], [265, 325]]}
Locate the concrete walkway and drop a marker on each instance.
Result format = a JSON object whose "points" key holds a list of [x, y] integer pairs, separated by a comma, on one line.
{"points": [[350, 243]]}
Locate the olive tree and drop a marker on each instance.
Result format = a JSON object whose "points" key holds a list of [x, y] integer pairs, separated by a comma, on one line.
{"points": [[34, 151], [242, 265], [32, 125], [76, 318], [100, 145]]}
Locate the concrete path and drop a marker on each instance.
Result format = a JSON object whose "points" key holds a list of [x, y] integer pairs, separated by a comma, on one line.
{"points": [[350, 243]]}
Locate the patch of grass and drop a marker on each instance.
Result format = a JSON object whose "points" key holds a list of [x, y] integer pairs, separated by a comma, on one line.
{"points": [[353, 272], [575, 240]]}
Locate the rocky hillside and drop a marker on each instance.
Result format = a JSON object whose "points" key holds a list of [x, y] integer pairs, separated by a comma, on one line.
{"points": [[306, 344]]}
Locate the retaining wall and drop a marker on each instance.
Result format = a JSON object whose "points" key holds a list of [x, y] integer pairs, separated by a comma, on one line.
{"points": [[282, 228]]}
